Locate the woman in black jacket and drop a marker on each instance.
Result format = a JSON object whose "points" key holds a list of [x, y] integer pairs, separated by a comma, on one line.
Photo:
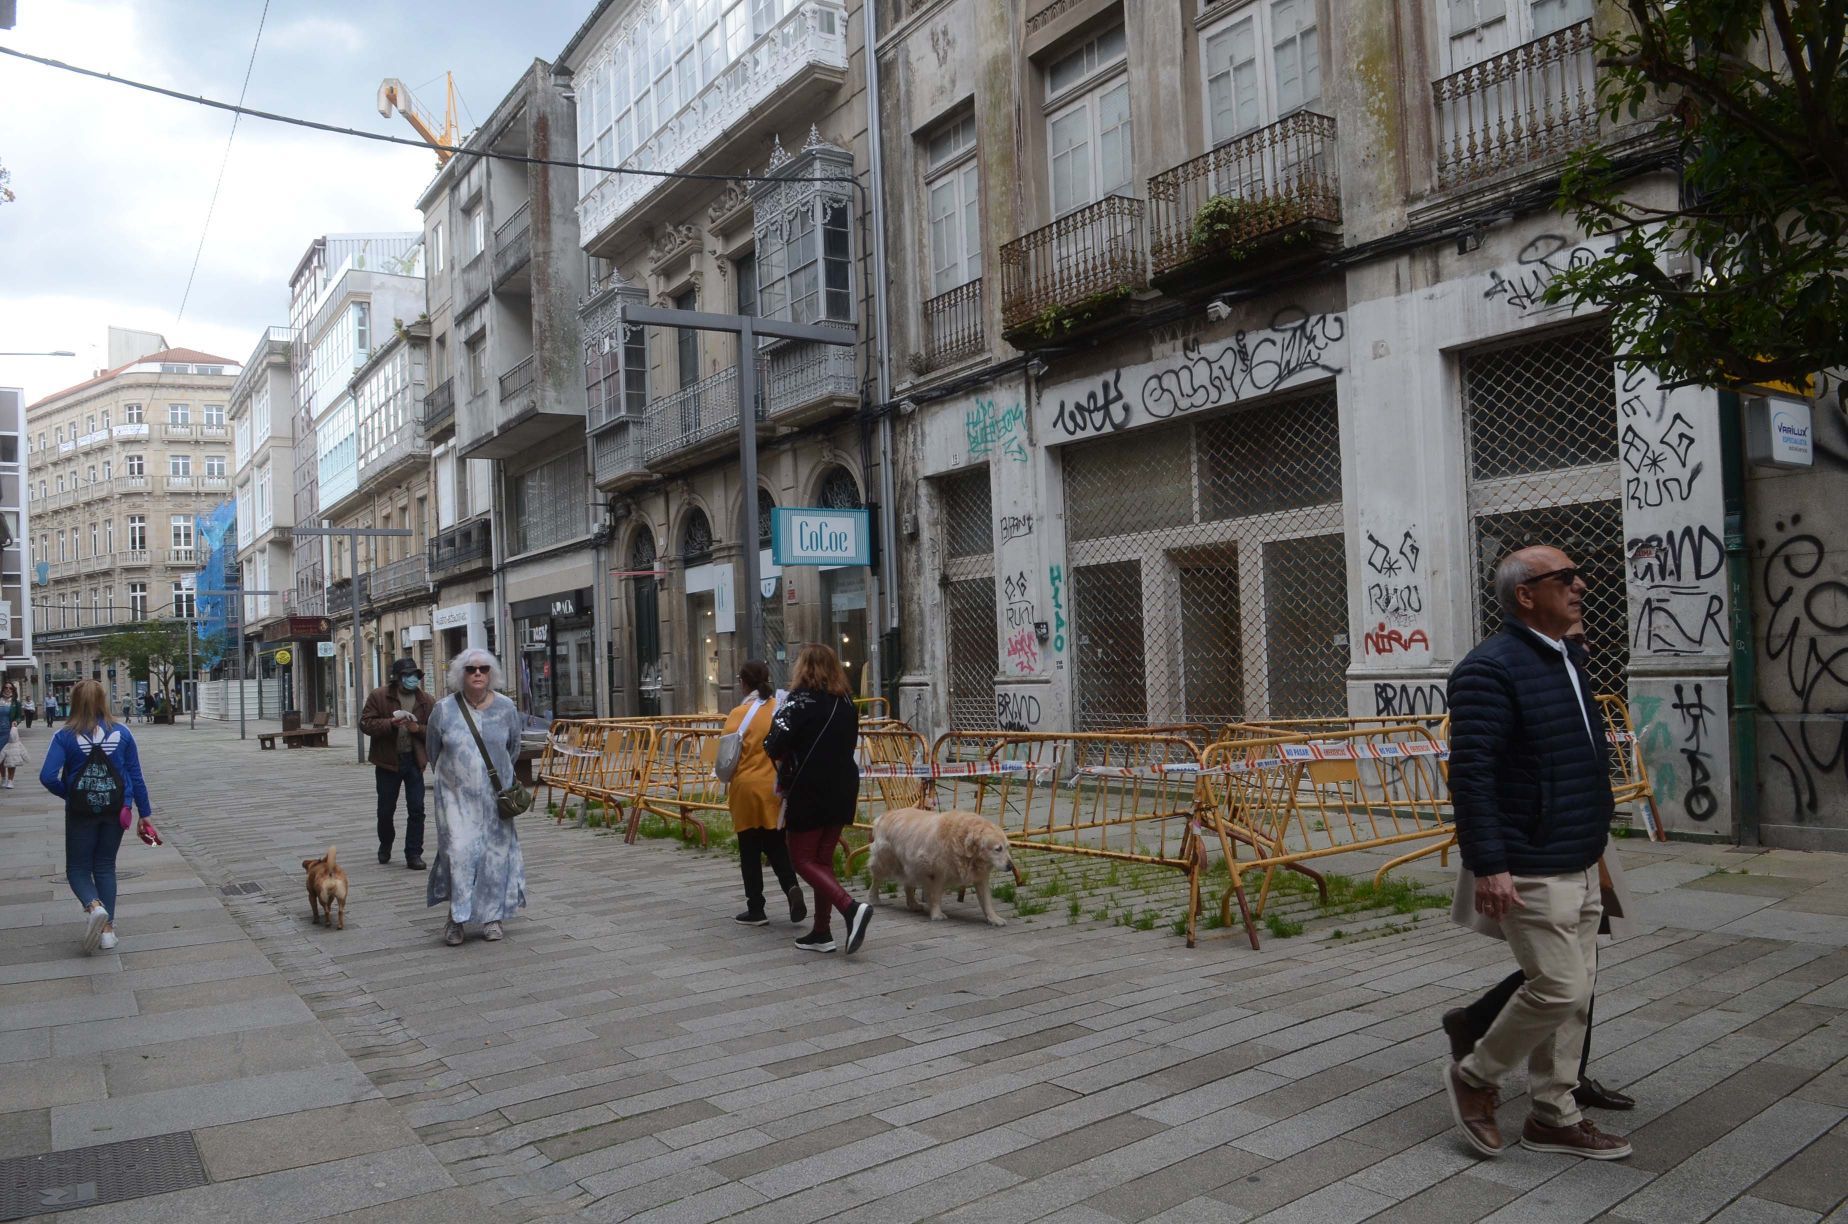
{"points": [[812, 742]]}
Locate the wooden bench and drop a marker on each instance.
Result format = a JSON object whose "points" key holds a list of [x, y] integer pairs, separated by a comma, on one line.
{"points": [[307, 737], [266, 740]]}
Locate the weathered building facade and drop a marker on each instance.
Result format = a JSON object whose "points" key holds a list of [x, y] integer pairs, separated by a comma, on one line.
{"points": [[1229, 380], [514, 555], [775, 87]]}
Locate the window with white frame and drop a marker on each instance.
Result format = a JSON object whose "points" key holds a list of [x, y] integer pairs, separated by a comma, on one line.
{"points": [[260, 412], [952, 189], [804, 274], [436, 249], [179, 465], [109, 535], [1088, 140], [213, 414], [105, 420], [96, 539], [475, 232], [1475, 30], [179, 414], [60, 435], [137, 601], [362, 334], [182, 528], [264, 517], [241, 441], [1261, 63], [137, 532], [184, 606], [133, 414], [134, 465], [108, 469], [215, 465]]}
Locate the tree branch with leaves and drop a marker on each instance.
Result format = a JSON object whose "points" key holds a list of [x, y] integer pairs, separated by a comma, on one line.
{"points": [[1754, 94], [155, 649]]}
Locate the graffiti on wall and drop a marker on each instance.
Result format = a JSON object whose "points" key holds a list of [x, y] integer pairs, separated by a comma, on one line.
{"points": [[1055, 582], [1394, 589], [1295, 347], [1410, 699], [1014, 526], [991, 429], [1020, 612], [1538, 265], [1678, 724], [1016, 710], [1805, 653], [1674, 606]]}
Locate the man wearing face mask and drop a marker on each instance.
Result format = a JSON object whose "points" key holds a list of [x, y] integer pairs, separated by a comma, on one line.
{"points": [[395, 716]]}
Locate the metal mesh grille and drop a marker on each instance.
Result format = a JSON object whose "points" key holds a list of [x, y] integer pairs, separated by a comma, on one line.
{"points": [[1208, 575], [1541, 421], [969, 566]]}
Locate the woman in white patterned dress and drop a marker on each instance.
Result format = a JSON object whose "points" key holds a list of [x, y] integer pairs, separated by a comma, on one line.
{"points": [[478, 869]]}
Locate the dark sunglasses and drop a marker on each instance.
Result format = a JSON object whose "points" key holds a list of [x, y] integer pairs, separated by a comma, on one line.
{"points": [[476, 669], [1567, 576]]}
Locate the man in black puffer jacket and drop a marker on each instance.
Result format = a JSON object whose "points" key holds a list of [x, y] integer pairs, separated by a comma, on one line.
{"points": [[1530, 781]]}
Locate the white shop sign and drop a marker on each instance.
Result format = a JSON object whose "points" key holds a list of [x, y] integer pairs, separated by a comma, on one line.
{"points": [[720, 581], [1778, 432]]}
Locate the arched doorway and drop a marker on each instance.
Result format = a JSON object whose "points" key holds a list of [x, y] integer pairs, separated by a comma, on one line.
{"points": [[843, 588], [645, 610]]}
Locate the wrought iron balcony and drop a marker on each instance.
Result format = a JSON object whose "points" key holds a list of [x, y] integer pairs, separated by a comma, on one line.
{"points": [[439, 408], [1261, 195], [1075, 274], [807, 380], [516, 388], [953, 326], [404, 447], [810, 42], [617, 455], [455, 550], [513, 244], [1533, 103], [340, 596], [694, 414], [407, 577]]}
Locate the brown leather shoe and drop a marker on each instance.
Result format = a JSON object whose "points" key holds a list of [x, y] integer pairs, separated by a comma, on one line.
{"points": [[1590, 1094], [1456, 1027], [1582, 1139], [1474, 1111]]}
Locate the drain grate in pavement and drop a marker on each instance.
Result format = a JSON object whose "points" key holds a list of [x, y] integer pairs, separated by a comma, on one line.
{"points": [[106, 1173], [237, 890]]}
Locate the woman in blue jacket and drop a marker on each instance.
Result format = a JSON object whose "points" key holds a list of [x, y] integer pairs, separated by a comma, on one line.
{"points": [[94, 767]]}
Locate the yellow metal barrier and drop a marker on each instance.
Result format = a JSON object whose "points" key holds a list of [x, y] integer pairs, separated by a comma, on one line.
{"points": [[1629, 775], [681, 781], [1123, 797], [1293, 799]]}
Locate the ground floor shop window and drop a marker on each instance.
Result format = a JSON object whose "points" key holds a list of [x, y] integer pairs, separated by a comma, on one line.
{"points": [[555, 675], [1207, 576], [843, 593]]}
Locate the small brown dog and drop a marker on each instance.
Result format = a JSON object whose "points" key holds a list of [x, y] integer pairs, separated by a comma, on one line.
{"points": [[326, 885]]}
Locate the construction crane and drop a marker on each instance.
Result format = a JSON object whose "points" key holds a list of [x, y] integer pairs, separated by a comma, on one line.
{"points": [[394, 96]]}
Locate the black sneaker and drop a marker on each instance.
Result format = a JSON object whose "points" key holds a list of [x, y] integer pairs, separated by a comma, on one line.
{"points": [[415, 863], [816, 941], [384, 856], [856, 925], [752, 917], [798, 908]]}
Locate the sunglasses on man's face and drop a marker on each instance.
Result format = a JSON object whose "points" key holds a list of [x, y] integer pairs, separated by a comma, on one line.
{"points": [[1567, 576], [476, 669]]}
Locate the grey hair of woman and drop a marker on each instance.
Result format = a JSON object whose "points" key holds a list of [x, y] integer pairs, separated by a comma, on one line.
{"points": [[474, 655]]}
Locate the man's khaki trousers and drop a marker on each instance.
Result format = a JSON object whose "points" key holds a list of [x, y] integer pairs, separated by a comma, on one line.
{"points": [[1554, 939]]}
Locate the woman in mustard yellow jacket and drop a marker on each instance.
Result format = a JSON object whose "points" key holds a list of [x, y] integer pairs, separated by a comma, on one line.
{"points": [[755, 807]]}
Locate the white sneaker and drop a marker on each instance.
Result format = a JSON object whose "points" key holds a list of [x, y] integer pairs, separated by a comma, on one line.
{"points": [[93, 925], [8, 784], [108, 941]]}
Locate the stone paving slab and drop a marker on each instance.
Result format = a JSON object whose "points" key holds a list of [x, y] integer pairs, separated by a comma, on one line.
{"points": [[629, 1053]]}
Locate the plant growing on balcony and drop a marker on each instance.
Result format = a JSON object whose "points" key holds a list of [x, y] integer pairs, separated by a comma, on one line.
{"points": [[1238, 225], [1056, 321], [1754, 96]]}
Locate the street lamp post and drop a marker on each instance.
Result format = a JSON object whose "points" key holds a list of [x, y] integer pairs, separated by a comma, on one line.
{"points": [[353, 536], [747, 329]]}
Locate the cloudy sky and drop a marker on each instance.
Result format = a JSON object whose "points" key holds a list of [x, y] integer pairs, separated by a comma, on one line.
{"points": [[113, 184]]}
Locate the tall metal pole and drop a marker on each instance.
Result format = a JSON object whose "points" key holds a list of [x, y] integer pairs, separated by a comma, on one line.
{"points": [[192, 669], [747, 461], [239, 635], [359, 659]]}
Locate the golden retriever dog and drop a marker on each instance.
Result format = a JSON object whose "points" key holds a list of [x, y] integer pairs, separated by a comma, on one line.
{"points": [[327, 883], [938, 851]]}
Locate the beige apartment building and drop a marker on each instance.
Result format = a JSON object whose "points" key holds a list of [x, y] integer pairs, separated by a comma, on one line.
{"points": [[388, 576], [120, 466]]}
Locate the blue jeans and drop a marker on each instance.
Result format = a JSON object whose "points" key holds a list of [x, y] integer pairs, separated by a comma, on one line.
{"points": [[411, 779], [90, 845]]}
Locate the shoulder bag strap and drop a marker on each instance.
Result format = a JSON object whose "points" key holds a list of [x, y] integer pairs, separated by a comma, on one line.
{"points": [[469, 717], [832, 710]]}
